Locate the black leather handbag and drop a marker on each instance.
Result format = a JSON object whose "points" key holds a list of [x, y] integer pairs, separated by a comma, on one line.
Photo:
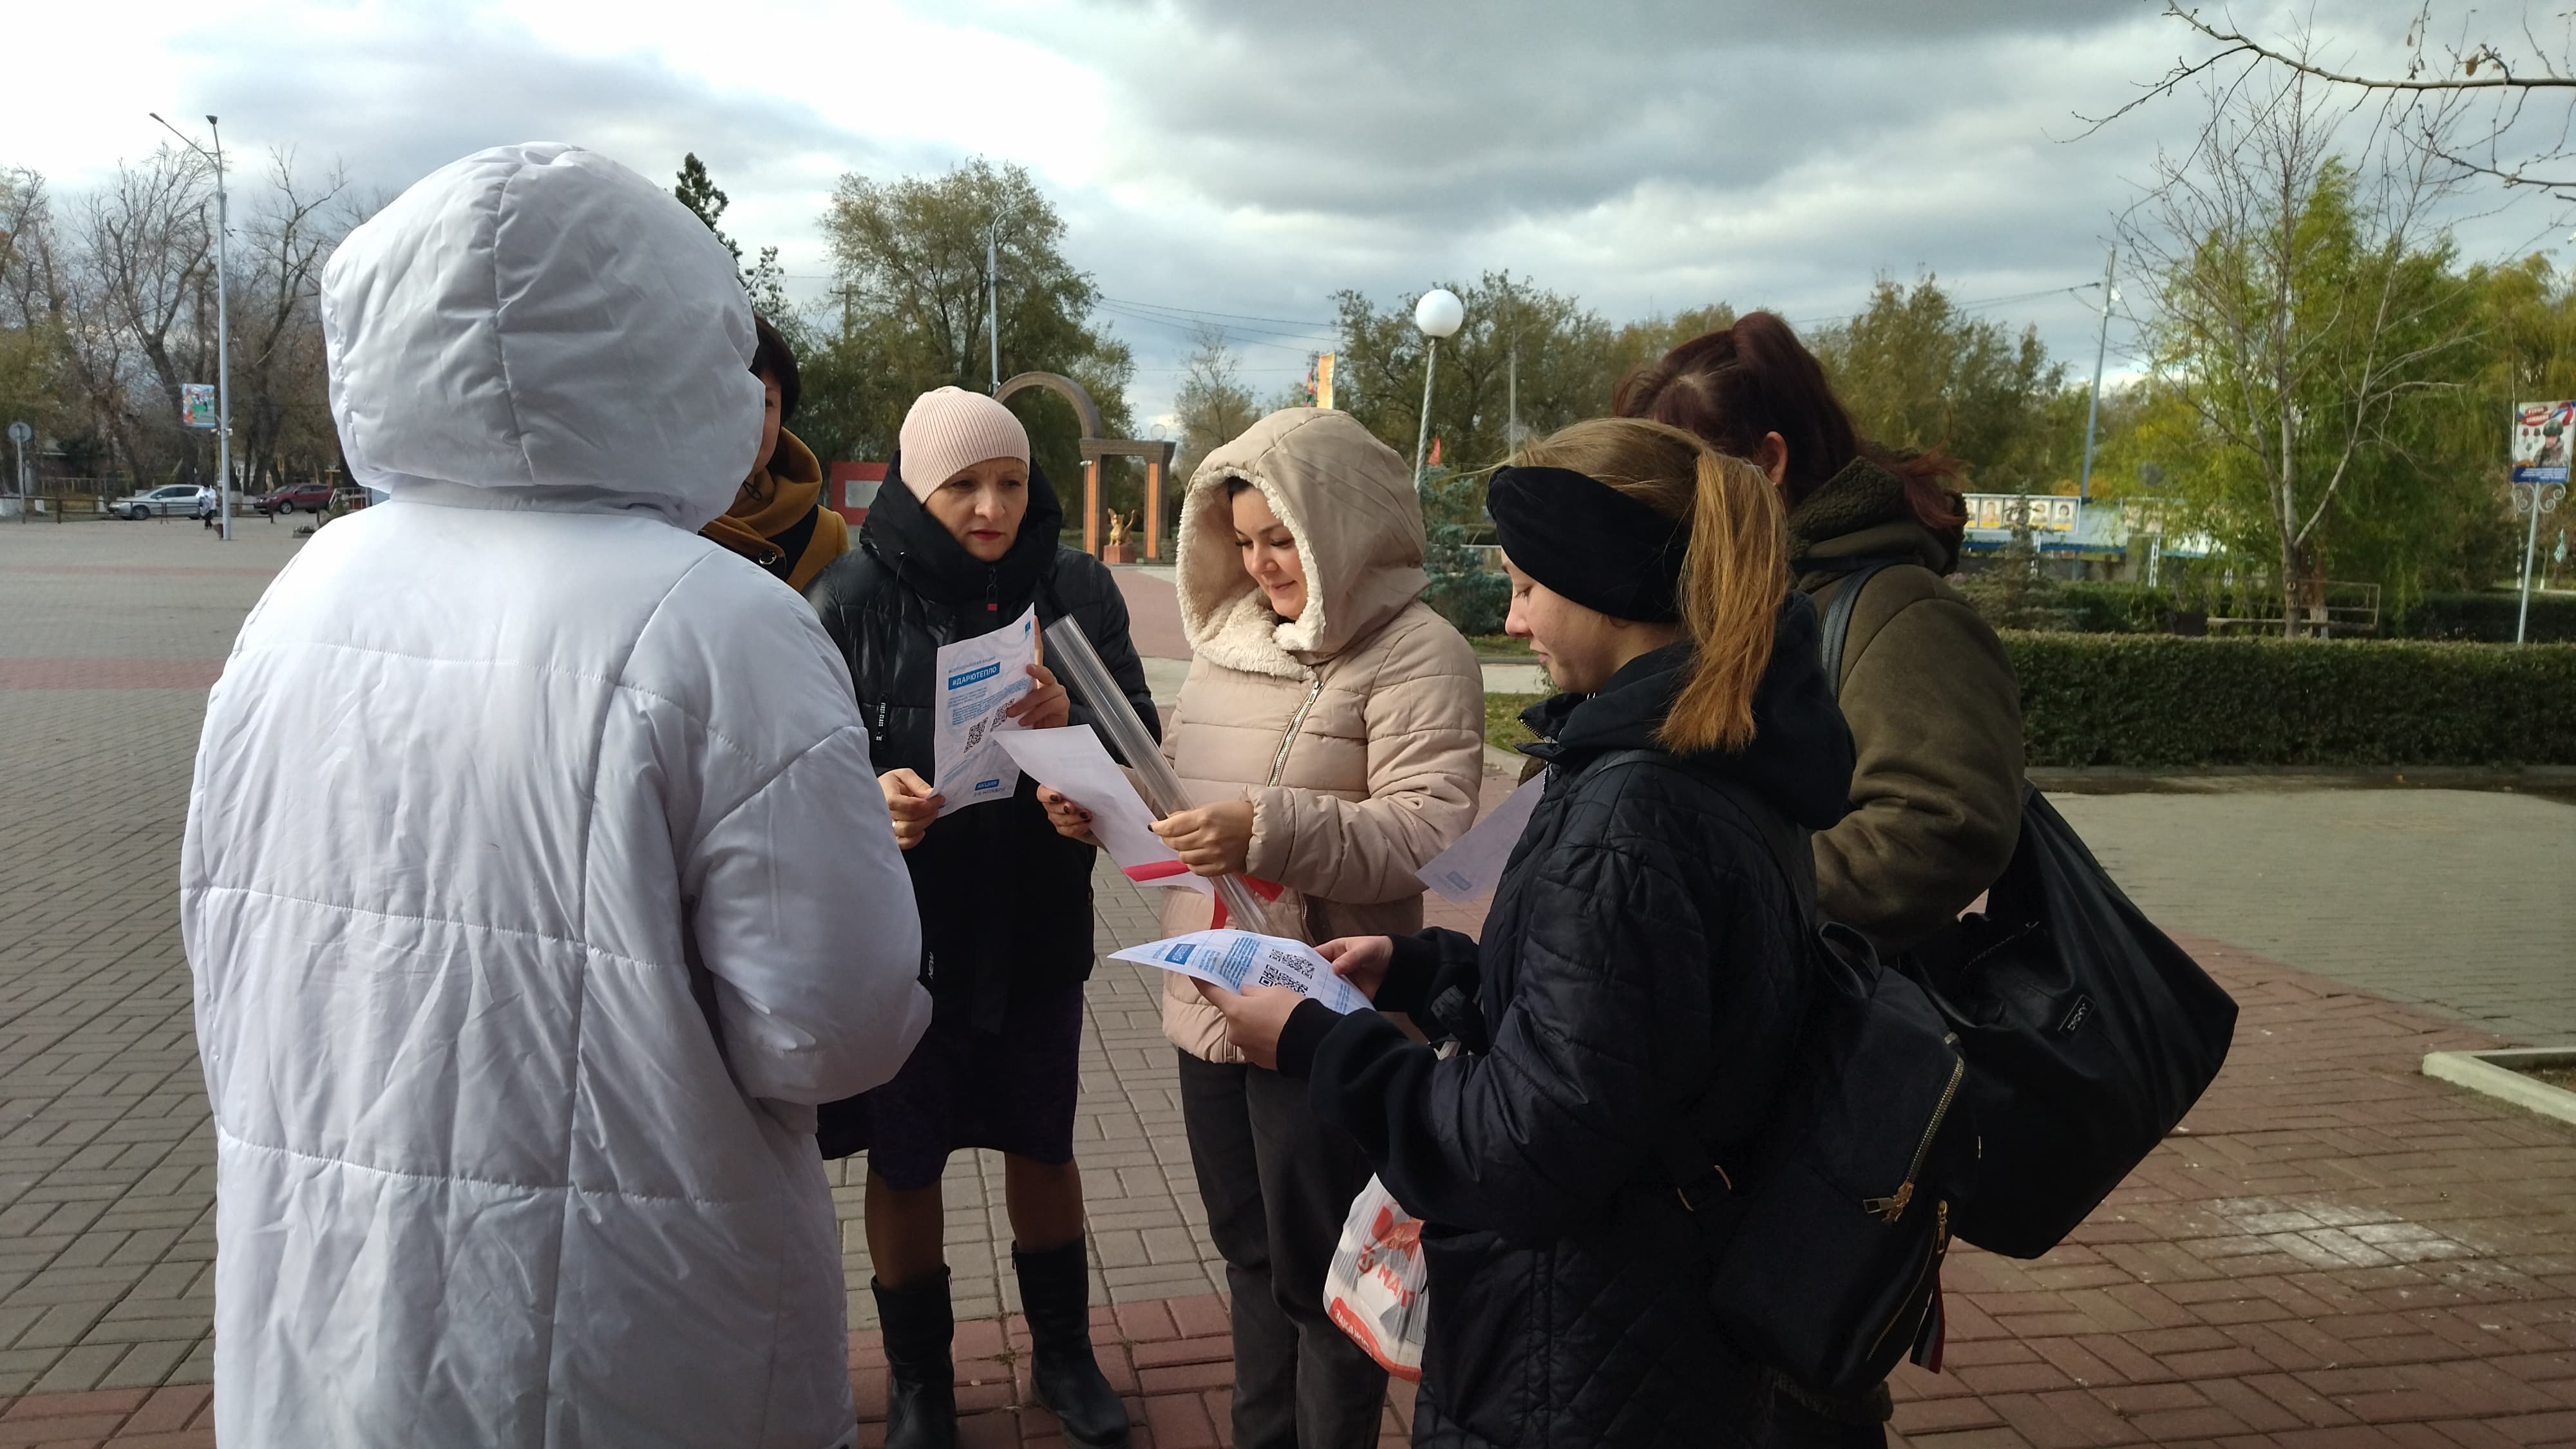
{"points": [[2088, 1032]]}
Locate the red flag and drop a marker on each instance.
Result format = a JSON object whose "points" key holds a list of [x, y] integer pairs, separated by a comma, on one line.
{"points": [[1435, 450]]}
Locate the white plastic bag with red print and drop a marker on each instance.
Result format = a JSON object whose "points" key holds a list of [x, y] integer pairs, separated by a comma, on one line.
{"points": [[1376, 1291]]}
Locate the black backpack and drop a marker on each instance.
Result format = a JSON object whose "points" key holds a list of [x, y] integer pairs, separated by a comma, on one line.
{"points": [[2088, 1032], [1827, 1206]]}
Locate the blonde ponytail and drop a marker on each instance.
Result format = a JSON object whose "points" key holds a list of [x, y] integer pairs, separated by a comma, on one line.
{"points": [[1733, 577]]}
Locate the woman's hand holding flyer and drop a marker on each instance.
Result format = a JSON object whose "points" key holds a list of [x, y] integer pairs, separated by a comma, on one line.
{"points": [[1236, 960]]}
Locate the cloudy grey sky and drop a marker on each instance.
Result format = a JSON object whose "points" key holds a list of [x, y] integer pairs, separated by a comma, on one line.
{"points": [[1253, 158]]}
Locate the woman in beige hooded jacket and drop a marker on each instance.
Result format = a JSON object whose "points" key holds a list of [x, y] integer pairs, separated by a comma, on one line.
{"points": [[1349, 718]]}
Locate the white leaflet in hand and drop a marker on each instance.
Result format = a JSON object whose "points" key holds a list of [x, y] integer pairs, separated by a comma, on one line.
{"points": [[1474, 866], [976, 678], [1237, 959], [1074, 762]]}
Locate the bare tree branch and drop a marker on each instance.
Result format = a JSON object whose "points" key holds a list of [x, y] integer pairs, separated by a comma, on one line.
{"points": [[2238, 45]]}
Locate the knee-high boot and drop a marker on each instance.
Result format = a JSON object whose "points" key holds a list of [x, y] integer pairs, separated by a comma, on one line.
{"points": [[921, 1380], [1055, 1292]]}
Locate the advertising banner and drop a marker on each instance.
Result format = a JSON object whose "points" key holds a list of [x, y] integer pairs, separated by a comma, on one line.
{"points": [[2541, 436], [2048, 513], [197, 404]]}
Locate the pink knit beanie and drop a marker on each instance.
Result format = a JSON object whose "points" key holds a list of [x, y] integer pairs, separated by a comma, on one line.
{"points": [[949, 430]]}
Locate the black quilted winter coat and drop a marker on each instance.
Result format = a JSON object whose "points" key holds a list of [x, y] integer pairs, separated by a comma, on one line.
{"points": [[1003, 897], [1643, 950]]}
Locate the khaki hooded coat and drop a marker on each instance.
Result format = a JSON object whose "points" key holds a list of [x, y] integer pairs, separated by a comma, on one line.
{"points": [[1356, 731], [1934, 712]]}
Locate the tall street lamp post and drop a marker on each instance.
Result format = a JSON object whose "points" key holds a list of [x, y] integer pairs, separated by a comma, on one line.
{"points": [[1437, 315], [993, 293], [223, 322], [2101, 350]]}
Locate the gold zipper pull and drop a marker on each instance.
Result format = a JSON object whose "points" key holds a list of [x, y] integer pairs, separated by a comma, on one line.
{"points": [[1890, 1208]]}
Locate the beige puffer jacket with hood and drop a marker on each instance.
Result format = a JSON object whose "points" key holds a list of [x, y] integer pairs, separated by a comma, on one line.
{"points": [[1357, 731]]}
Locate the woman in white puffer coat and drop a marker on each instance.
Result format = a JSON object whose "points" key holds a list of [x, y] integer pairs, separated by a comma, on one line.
{"points": [[1332, 727], [537, 884]]}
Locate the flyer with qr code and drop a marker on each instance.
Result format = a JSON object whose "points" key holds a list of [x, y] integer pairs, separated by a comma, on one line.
{"points": [[978, 678], [1237, 959]]}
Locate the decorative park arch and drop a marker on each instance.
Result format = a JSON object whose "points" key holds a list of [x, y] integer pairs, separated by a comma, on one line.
{"points": [[1086, 413]]}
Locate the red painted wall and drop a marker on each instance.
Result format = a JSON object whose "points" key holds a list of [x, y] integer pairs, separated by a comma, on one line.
{"points": [[839, 489]]}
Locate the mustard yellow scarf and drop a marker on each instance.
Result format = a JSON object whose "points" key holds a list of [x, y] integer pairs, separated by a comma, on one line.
{"points": [[772, 503]]}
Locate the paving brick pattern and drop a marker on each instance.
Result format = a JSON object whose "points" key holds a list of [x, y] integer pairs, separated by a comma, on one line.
{"points": [[108, 638], [2335, 1250]]}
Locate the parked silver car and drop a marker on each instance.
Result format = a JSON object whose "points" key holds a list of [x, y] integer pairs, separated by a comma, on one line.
{"points": [[182, 500]]}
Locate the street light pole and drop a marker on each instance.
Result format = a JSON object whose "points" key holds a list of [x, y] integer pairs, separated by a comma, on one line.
{"points": [[1437, 315], [1422, 437], [2101, 349], [993, 296], [223, 323]]}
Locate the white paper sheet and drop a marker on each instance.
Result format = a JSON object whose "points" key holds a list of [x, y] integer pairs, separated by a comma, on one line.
{"points": [[1074, 761], [976, 678], [1236, 959], [1474, 866]]}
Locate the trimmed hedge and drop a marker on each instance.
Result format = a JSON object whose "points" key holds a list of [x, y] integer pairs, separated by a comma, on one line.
{"points": [[2490, 617], [2095, 607], [2157, 701]]}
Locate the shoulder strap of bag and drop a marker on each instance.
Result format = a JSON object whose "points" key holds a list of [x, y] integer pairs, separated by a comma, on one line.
{"points": [[1836, 626]]}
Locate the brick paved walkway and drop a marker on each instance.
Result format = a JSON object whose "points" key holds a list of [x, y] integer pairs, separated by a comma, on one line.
{"points": [[2334, 1251], [2339, 1251], [109, 635]]}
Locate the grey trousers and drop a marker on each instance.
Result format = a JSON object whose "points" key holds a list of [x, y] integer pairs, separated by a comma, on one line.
{"points": [[1277, 1182]]}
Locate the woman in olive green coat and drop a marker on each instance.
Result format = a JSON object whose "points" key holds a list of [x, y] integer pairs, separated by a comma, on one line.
{"points": [[1934, 710]]}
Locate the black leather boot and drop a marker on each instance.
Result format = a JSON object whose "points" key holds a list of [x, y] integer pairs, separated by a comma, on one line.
{"points": [[1055, 1291], [921, 1381]]}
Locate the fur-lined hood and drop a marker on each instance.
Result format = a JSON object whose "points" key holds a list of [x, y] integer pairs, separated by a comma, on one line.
{"points": [[1348, 501]]}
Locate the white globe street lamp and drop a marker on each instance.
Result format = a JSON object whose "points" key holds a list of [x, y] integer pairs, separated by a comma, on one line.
{"points": [[1437, 315]]}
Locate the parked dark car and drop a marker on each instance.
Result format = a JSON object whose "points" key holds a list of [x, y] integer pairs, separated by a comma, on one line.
{"points": [[297, 498]]}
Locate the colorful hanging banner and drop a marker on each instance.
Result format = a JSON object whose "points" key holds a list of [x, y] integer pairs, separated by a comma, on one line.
{"points": [[2542, 434]]}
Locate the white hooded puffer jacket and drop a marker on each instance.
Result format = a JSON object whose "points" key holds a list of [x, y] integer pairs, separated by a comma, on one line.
{"points": [[536, 881]]}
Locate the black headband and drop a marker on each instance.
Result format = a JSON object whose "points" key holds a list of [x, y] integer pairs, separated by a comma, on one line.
{"points": [[1590, 542]]}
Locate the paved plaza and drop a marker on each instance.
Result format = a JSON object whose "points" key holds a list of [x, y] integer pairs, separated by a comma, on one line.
{"points": [[2464, 901], [2337, 1251]]}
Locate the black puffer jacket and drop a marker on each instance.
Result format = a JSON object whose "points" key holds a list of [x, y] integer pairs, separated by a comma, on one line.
{"points": [[1003, 897], [1643, 950]]}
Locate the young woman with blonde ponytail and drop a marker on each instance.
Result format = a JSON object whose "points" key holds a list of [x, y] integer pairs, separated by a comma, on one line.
{"points": [[1642, 958]]}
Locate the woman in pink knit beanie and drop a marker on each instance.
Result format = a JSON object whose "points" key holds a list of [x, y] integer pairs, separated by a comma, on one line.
{"points": [[964, 547]]}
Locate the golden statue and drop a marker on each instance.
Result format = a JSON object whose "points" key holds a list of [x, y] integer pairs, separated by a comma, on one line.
{"points": [[1119, 523]]}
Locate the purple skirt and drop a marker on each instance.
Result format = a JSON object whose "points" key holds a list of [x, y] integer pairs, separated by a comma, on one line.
{"points": [[1013, 1090]]}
